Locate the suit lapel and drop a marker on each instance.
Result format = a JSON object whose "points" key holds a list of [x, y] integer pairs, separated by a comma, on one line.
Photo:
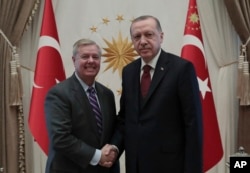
{"points": [[79, 94], [81, 97], [77, 91], [161, 69], [136, 82]]}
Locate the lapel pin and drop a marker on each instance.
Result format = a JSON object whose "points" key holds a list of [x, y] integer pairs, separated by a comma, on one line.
{"points": [[162, 68]]}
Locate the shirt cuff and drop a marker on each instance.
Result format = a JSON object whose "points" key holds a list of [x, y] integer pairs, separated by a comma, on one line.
{"points": [[96, 158]]}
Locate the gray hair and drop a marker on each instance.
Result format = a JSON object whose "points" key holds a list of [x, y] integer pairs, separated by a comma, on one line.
{"points": [[144, 17], [85, 42]]}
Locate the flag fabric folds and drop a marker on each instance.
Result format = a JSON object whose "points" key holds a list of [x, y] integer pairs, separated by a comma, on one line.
{"points": [[49, 70], [193, 50]]}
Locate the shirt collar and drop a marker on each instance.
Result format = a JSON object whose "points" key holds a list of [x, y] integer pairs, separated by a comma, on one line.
{"points": [[83, 84], [153, 62]]}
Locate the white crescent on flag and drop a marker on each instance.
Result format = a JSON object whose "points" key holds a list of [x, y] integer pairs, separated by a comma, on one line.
{"points": [[195, 41], [49, 41]]}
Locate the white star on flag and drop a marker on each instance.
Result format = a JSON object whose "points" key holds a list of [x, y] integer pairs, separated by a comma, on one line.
{"points": [[203, 85]]}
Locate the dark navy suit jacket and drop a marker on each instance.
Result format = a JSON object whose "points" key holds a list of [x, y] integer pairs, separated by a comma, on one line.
{"points": [[163, 132]]}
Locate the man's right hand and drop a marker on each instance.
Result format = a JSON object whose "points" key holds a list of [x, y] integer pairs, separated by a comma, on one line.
{"points": [[109, 155]]}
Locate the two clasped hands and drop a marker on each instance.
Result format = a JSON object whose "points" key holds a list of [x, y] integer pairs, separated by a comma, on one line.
{"points": [[109, 155]]}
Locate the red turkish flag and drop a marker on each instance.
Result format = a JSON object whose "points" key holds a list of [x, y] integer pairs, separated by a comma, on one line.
{"points": [[193, 50], [49, 70]]}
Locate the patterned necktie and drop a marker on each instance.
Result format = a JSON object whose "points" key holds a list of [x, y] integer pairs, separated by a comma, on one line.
{"points": [[95, 107], [145, 80]]}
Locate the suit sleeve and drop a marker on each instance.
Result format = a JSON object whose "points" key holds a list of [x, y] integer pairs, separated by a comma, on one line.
{"points": [[59, 125], [118, 137], [192, 117]]}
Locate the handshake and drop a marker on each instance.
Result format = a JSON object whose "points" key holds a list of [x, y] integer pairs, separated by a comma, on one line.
{"points": [[109, 155]]}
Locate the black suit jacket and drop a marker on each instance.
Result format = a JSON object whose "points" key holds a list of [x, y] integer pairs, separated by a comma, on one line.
{"points": [[163, 132], [72, 127]]}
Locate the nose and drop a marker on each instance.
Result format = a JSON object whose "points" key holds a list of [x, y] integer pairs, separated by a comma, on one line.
{"points": [[90, 59], [143, 41]]}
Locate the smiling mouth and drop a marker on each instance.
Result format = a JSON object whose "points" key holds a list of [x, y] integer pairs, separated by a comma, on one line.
{"points": [[90, 67]]}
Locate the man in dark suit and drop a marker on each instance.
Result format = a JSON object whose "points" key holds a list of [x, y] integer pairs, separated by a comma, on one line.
{"points": [[78, 132], [160, 127]]}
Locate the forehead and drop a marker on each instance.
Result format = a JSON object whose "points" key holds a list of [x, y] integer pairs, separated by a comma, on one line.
{"points": [[144, 25]]}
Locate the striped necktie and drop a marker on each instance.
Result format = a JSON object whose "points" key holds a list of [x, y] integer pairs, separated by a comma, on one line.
{"points": [[95, 107]]}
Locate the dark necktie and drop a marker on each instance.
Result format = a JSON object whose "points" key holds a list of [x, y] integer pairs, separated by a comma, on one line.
{"points": [[95, 107], [145, 80]]}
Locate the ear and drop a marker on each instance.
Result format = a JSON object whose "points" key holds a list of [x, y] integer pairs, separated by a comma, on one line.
{"points": [[162, 35], [73, 60]]}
